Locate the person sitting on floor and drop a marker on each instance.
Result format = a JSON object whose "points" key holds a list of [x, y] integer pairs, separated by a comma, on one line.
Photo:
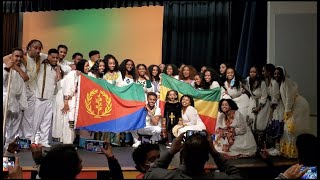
{"points": [[144, 156], [194, 153], [234, 138]]}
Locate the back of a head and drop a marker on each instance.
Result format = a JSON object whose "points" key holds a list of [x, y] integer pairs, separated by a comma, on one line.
{"points": [[195, 153], [61, 162], [139, 155], [307, 149]]}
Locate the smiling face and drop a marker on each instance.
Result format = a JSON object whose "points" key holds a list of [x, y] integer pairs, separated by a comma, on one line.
{"points": [[169, 70], [17, 56], [186, 72], [86, 67], [225, 106], [155, 71], [141, 71], [101, 67], [197, 79], [278, 76], [129, 66], [152, 100], [53, 58], [207, 76], [62, 53], [230, 74], [185, 101], [111, 64]]}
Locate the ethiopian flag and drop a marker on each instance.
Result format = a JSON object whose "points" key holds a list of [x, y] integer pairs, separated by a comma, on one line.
{"points": [[107, 108], [205, 101]]}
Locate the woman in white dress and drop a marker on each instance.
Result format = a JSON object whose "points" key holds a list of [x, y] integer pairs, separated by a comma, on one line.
{"points": [[98, 68], [259, 111], [275, 127], [190, 116], [296, 113], [143, 78], [69, 90], [233, 138], [236, 90], [128, 72]]}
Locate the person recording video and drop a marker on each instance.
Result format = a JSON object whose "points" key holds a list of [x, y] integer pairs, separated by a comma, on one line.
{"points": [[194, 153]]}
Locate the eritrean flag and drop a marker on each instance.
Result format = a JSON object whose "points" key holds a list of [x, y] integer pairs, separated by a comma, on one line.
{"points": [[107, 108], [205, 101]]}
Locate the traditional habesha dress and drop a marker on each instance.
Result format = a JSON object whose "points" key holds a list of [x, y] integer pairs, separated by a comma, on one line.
{"points": [[17, 102], [259, 98], [59, 104], [299, 122], [240, 144], [239, 97], [69, 89]]}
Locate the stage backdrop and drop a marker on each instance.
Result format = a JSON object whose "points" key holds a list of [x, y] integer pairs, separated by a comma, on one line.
{"points": [[134, 33]]}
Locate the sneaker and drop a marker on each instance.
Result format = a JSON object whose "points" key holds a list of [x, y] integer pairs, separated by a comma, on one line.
{"points": [[136, 144], [46, 145]]}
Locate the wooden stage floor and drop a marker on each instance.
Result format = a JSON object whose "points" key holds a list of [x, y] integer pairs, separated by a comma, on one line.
{"points": [[94, 162]]}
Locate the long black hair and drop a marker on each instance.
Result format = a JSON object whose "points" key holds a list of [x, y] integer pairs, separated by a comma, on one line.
{"points": [[80, 65]]}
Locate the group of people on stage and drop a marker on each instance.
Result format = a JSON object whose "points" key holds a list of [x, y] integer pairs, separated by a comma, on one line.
{"points": [[264, 109]]}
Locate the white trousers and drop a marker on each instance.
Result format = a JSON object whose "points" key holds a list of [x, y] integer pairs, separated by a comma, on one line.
{"points": [[13, 123], [42, 121], [155, 131], [27, 120]]}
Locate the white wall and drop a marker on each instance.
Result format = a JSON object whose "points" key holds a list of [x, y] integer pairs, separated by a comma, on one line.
{"points": [[292, 43]]}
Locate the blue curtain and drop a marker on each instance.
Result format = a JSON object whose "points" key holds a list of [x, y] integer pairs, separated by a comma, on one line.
{"points": [[253, 40]]}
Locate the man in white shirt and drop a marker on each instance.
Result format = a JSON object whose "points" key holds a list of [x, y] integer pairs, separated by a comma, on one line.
{"points": [[31, 61], [153, 126], [49, 74], [16, 101]]}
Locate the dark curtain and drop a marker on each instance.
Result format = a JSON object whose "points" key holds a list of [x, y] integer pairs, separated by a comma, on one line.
{"points": [[208, 32], [196, 33], [10, 32], [253, 41], [55, 5]]}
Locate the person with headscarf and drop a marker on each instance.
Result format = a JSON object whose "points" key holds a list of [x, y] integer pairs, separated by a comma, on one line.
{"points": [[296, 113]]}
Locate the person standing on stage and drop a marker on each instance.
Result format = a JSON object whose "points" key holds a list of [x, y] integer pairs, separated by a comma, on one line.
{"points": [[46, 83]]}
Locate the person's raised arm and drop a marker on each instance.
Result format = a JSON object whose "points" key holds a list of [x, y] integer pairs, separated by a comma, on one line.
{"points": [[114, 166]]}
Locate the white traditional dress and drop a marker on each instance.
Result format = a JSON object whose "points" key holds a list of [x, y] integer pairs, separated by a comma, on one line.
{"points": [[17, 102], [242, 144], [32, 68], [192, 120], [45, 91], [240, 98], [259, 98], [69, 90], [299, 122]]}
